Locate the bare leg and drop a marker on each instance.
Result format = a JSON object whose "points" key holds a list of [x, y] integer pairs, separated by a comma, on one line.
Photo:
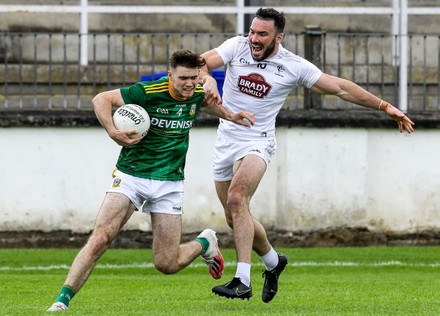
{"points": [[261, 243], [114, 213], [235, 197], [169, 255]]}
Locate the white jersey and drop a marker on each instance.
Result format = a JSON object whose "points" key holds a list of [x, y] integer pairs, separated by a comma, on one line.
{"points": [[260, 87]]}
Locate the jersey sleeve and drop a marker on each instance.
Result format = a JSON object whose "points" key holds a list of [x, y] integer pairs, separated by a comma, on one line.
{"points": [[309, 73], [227, 49], [134, 94]]}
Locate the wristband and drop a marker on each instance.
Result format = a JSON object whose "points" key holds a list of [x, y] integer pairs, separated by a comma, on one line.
{"points": [[384, 107], [380, 104]]}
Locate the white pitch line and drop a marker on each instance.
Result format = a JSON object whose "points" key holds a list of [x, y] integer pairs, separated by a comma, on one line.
{"points": [[232, 264]]}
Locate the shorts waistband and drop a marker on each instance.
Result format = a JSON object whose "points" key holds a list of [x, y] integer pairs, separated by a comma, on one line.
{"points": [[247, 134]]}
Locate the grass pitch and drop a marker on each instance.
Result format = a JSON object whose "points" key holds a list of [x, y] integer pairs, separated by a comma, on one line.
{"points": [[317, 281]]}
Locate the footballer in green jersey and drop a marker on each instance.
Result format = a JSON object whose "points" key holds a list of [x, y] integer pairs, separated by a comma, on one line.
{"points": [[160, 155]]}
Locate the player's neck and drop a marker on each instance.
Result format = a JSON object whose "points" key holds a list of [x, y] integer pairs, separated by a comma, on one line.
{"points": [[173, 93]]}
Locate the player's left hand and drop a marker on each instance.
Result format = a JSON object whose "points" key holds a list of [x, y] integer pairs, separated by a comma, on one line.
{"points": [[403, 121], [244, 118]]}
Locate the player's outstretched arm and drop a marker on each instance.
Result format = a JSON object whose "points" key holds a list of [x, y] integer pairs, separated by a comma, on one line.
{"points": [[351, 92], [244, 118]]}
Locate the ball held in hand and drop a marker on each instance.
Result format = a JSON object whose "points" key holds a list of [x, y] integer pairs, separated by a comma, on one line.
{"points": [[132, 117]]}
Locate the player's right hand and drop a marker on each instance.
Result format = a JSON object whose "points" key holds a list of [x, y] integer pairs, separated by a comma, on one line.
{"points": [[123, 139], [244, 118], [403, 121]]}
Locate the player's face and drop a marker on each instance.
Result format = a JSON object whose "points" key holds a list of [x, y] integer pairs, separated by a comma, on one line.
{"points": [[263, 39], [183, 81]]}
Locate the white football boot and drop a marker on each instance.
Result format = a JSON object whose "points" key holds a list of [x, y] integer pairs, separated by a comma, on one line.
{"points": [[57, 306], [212, 257]]}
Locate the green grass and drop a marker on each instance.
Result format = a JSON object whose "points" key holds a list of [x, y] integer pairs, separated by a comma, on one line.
{"points": [[317, 281]]}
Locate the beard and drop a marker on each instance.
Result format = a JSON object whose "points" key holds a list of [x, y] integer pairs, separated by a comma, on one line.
{"points": [[269, 50]]}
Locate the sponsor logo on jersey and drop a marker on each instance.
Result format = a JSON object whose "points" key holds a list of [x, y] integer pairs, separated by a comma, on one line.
{"points": [[162, 110], [244, 61], [170, 124], [254, 85]]}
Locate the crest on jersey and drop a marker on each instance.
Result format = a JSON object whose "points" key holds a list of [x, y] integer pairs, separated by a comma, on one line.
{"points": [[116, 182], [192, 110], [254, 85]]}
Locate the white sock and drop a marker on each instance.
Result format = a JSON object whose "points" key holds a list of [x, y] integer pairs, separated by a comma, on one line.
{"points": [[270, 259], [244, 273]]}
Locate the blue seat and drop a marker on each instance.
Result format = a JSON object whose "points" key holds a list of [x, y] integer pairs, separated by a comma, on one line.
{"points": [[151, 77], [219, 76]]}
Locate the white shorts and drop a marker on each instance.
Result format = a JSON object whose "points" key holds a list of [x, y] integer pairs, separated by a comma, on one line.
{"points": [[149, 196], [230, 148]]}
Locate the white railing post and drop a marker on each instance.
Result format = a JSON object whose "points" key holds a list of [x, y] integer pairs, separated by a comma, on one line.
{"points": [[395, 30], [239, 28], [403, 75], [84, 32]]}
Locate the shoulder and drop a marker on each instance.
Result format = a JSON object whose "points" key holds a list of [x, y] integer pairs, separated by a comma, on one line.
{"points": [[289, 59], [242, 42], [235, 41], [142, 91], [241, 39], [153, 87], [199, 93], [233, 48], [287, 55], [199, 89]]}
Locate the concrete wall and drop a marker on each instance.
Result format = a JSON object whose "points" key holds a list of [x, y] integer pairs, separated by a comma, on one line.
{"points": [[55, 178]]}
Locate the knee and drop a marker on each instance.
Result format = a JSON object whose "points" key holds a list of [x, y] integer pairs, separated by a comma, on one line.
{"points": [[98, 242], [165, 267], [236, 202]]}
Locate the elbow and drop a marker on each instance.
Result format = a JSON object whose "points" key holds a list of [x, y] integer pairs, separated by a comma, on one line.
{"points": [[95, 100]]}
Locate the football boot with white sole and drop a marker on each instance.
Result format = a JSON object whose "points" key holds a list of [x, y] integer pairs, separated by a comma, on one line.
{"points": [[212, 257]]}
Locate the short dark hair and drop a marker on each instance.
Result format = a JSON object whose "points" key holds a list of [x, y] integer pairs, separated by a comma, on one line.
{"points": [[186, 58], [272, 14]]}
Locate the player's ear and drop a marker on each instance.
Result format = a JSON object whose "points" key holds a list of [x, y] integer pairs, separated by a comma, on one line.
{"points": [[170, 74], [279, 37]]}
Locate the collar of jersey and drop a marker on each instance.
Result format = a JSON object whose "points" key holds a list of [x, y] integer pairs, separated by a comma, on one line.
{"points": [[170, 90]]}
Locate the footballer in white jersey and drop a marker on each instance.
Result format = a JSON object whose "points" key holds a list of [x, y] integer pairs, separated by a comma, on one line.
{"points": [[260, 86], [260, 74]]}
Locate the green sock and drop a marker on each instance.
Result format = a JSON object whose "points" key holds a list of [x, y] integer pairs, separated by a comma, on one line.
{"points": [[66, 294], [204, 242]]}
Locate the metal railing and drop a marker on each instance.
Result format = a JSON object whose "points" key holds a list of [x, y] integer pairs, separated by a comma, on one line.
{"points": [[399, 10], [43, 70]]}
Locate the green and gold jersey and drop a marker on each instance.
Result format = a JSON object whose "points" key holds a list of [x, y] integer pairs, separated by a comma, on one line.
{"points": [[161, 154]]}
